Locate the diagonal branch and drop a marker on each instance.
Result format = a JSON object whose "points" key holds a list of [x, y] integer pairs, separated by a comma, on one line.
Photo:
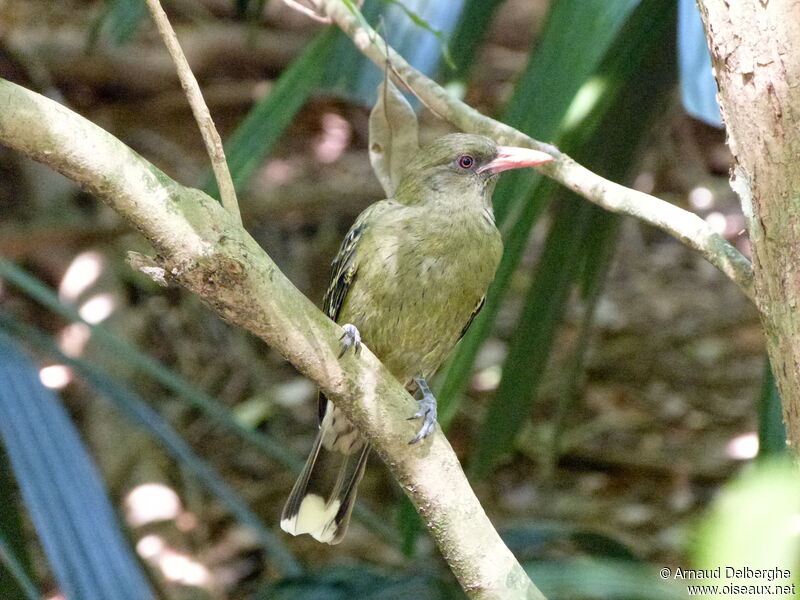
{"points": [[211, 139], [681, 224], [203, 247]]}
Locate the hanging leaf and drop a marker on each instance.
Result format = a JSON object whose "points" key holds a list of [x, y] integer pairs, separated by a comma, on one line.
{"points": [[393, 135]]}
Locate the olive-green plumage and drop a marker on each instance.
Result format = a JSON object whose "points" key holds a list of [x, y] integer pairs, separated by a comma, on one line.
{"points": [[410, 275], [421, 263]]}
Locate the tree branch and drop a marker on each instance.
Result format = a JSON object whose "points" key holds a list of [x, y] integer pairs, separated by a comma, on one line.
{"points": [[211, 139], [681, 224], [202, 247]]}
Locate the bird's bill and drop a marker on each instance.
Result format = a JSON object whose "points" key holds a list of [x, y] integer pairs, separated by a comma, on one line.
{"points": [[512, 157]]}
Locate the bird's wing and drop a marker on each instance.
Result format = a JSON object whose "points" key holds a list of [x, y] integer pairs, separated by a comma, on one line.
{"points": [[474, 314], [345, 265]]}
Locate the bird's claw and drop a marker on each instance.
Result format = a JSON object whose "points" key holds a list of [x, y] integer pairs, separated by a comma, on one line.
{"points": [[351, 338], [427, 412]]}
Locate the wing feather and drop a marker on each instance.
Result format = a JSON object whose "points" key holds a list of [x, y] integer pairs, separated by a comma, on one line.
{"points": [[474, 314], [345, 269]]}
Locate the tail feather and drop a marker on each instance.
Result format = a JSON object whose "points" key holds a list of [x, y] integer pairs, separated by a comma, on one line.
{"points": [[320, 504]]}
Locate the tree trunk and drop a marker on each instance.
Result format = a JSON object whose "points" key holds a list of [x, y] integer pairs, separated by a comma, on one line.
{"points": [[755, 49]]}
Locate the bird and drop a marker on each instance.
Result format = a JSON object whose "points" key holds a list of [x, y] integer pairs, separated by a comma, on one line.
{"points": [[409, 278]]}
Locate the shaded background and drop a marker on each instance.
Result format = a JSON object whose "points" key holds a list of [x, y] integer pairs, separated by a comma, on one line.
{"points": [[609, 389]]}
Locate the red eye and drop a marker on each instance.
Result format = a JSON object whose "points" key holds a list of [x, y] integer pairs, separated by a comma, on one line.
{"points": [[466, 161]]}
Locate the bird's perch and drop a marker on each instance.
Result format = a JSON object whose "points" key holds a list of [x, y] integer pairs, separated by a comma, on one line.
{"points": [[684, 225], [201, 246]]}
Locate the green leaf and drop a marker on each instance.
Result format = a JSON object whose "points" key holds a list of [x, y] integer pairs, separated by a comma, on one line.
{"points": [[360, 581], [598, 255], [602, 580], [140, 413], [533, 541], [15, 582], [123, 18], [409, 524], [62, 491], [476, 17], [771, 430], [752, 523], [575, 38], [264, 125], [393, 136], [534, 334], [15, 569], [637, 79]]}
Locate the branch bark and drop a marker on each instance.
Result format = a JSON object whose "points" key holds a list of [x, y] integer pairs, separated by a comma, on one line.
{"points": [[211, 139], [686, 226], [202, 247], [755, 49]]}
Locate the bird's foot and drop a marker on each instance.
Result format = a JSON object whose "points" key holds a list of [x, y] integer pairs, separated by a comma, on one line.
{"points": [[426, 412], [351, 338]]}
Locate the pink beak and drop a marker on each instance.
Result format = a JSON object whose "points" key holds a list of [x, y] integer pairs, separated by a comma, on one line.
{"points": [[512, 157]]}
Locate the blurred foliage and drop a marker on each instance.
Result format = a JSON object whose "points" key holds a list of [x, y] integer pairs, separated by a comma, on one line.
{"points": [[141, 415], [595, 80], [76, 523], [752, 524], [15, 567], [771, 430]]}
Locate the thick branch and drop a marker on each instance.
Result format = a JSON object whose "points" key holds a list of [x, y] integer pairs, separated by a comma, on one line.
{"points": [[755, 47], [202, 247], [684, 225]]}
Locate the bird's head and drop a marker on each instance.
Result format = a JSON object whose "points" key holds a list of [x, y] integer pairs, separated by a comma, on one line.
{"points": [[461, 165]]}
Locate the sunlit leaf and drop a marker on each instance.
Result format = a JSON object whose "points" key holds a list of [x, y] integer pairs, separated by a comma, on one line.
{"points": [[415, 28], [698, 86]]}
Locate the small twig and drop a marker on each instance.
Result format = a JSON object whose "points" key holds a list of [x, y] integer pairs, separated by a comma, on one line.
{"points": [[211, 138], [681, 224]]}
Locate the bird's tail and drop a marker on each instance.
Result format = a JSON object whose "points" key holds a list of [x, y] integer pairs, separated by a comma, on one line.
{"points": [[323, 495]]}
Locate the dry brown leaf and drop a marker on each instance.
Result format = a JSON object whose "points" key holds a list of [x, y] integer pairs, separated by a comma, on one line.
{"points": [[393, 136]]}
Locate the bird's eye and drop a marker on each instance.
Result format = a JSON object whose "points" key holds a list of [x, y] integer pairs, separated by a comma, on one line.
{"points": [[466, 161]]}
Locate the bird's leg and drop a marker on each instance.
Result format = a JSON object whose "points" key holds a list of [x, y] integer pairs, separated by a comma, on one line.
{"points": [[351, 338], [426, 412]]}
